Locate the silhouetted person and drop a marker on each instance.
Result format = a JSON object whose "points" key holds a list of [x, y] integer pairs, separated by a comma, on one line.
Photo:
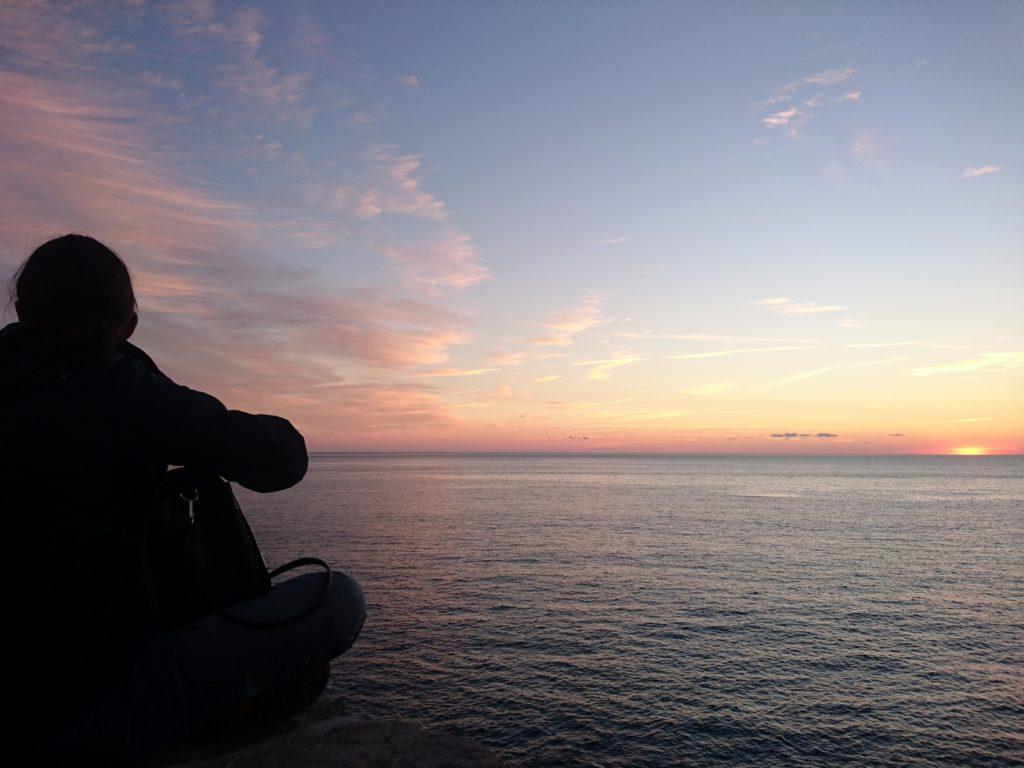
{"points": [[89, 424]]}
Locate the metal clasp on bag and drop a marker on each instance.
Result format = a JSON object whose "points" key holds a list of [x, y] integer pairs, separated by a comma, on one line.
{"points": [[191, 501]]}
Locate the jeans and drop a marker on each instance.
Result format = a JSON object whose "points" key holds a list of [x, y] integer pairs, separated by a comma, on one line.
{"points": [[190, 676]]}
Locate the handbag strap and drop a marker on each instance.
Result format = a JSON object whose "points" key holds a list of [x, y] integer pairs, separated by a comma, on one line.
{"points": [[307, 611]]}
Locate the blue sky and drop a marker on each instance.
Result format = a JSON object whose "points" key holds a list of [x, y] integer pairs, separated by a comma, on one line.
{"points": [[658, 226]]}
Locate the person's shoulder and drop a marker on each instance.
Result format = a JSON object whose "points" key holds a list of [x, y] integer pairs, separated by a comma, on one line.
{"points": [[130, 372], [130, 361], [131, 354]]}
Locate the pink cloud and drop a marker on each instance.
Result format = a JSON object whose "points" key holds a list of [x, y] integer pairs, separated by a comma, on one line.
{"points": [[563, 326], [981, 170], [831, 76], [449, 260], [396, 187], [360, 416], [864, 147], [46, 36], [823, 79], [244, 73], [507, 358], [438, 373], [781, 118], [83, 163], [370, 329]]}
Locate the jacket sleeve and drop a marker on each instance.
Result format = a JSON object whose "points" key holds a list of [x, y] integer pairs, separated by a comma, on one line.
{"points": [[172, 424]]}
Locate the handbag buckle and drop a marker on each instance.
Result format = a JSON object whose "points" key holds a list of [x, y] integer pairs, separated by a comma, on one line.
{"points": [[191, 500]]}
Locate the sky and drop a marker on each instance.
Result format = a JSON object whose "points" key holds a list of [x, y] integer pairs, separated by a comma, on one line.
{"points": [[746, 227]]}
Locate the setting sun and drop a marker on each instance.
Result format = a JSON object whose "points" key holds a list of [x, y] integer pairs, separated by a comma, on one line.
{"points": [[969, 450]]}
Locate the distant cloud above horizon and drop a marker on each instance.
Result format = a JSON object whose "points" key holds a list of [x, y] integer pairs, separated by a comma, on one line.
{"points": [[971, 172], [824, 79], [987, 361], [801, 111], [563, 326], [785, 306]]}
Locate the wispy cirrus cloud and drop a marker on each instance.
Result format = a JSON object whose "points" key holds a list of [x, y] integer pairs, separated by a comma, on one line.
{"points": [[442, 256], [159, 81], [831, 77], [987, 361], [90, 159], [600, 370], [173, 292], [793, 117], [455, 372], [563, 326], [972, 172], [729, 352], [922, 343], [358, 415], [449, 260], [509, 359], [783, 117], [714, 337], [394, 186], [787, 307], [612, 241], [244, 72], [793, 378], [316, 343], [864, 148], [369, 328], [823, 79], [45, 37]]}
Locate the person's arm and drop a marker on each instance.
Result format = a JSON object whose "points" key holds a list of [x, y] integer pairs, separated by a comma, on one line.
{"points": [[172, 424]]}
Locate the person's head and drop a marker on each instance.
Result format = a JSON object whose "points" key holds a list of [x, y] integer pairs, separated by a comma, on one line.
{"points": [[80, 290]]}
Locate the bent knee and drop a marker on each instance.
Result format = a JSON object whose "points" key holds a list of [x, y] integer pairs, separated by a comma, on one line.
{"points": [[346, 593], [347, 604]]}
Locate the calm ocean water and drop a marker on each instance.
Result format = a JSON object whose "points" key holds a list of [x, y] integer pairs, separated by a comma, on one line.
{"points": [[653, 611]]}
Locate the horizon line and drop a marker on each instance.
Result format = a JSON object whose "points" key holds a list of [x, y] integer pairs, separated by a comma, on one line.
{"points": [[469, 452]]}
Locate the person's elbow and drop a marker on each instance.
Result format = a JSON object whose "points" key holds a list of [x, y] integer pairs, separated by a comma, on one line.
{"points": [[288, 461]]}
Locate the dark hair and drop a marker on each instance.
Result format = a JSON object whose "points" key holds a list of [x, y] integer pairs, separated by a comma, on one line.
{"points": [[79, 289]]}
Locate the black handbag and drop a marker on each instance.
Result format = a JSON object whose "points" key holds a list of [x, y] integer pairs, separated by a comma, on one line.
{"points": [[200, 556]]}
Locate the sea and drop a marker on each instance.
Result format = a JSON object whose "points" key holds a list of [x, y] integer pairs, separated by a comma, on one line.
{"points": [[623, 610]]}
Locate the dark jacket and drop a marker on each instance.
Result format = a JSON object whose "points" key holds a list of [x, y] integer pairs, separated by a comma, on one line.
{"points": [[80, 453]]}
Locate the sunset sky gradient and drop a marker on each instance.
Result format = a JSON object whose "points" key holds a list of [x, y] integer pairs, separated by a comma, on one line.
{"points": [[737, 227]]}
